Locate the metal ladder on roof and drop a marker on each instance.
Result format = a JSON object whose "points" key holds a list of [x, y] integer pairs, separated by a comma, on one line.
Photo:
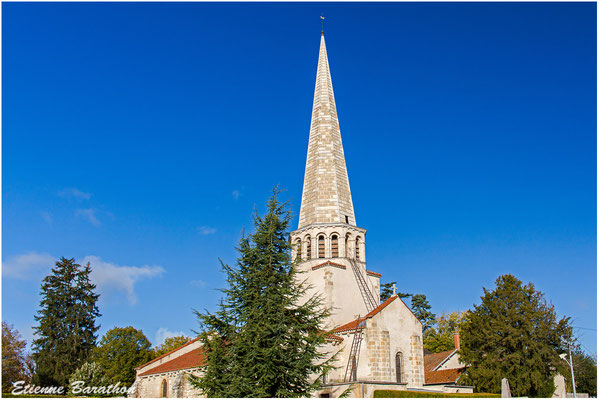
{"points": [[351, 371], [367, 295]]}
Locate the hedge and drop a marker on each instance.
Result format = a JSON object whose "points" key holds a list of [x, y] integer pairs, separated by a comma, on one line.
{"points": [[31, 395], [411, 393]]}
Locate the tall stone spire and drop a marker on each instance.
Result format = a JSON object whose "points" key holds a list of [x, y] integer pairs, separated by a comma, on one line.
{"points": [[326, 197]]}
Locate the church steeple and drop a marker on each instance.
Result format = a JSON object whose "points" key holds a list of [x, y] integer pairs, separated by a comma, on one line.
{"points": [[326, 197]]}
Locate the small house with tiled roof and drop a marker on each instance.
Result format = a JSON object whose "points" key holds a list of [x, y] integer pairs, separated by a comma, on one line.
{"points": [[443, 369]]}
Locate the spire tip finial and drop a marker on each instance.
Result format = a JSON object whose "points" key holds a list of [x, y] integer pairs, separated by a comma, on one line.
{"points": [[321, 25]]}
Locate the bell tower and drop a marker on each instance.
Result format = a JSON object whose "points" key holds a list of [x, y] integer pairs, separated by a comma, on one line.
{"points": [[328, 244]]}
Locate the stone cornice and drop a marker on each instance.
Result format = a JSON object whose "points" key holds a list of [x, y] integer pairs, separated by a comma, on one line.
{"points": [[325, 225]]}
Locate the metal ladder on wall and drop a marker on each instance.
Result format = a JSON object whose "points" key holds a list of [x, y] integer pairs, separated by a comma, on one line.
{"points": [[367, 295], [370, 302], [354, 354]]}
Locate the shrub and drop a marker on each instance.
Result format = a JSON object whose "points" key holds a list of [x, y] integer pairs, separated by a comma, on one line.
{"points": [[412, 393]]}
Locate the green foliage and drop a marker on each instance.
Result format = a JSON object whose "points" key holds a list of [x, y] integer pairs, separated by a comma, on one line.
{"points": [[512, 334], [92, 375], [66, 334], [170, 344], [440, 336], [387, 291], [409, 393], [585, 373], [120, 351], [262, 342], [15, 360], [421, 309]]}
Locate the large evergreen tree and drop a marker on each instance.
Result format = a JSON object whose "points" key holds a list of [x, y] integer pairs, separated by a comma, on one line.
{"points": [[422, 310], [66, 331], [513, 334], [387, 291], [263, 342]]}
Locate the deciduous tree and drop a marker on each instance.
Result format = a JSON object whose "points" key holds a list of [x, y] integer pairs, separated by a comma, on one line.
{"points": [[14, 358], [121, 350], [170, 344], [440, 337]]}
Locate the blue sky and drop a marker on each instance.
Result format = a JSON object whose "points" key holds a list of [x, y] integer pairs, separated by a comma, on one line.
{"points": [[139, 136]]}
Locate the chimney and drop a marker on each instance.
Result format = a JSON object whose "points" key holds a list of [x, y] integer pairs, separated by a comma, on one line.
{"points": [[456, 341]]}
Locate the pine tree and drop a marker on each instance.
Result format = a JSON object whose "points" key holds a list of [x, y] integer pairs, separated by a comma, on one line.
{"points": [[263, 342], [421, 309], [387, 291], [513, 334], [67, 328]]}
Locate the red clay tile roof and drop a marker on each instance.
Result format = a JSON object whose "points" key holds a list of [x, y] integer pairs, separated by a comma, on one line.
{"points": [[166, 354], [373, 274], [324, 264], [442, 376], [432, 361], [195, 358], [332, 337], [350, 326]]}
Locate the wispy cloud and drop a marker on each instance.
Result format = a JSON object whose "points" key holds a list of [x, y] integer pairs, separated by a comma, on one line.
{"points": [[46, 216], [198, 283], [111, 277], [236, 194], [74, 193], [163, 333], [206, 230], [89, 214], [28, 265]]}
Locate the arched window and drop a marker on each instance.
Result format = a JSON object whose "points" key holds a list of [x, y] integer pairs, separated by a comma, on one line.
{"points": [[164, 388], [357, 252], [321, 246], [398, 367], [308, 248], [334, 246], [298, 249]]}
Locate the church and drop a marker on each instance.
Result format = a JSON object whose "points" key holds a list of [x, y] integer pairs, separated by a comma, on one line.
{"points": [[379, 345]]}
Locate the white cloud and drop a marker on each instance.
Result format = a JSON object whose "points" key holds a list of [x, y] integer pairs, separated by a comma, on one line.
{"points": [[89, 214], [120, 278], [163, 333], [206, 230], [25, 266], [110, 279], [236, 194], [74, 193]]}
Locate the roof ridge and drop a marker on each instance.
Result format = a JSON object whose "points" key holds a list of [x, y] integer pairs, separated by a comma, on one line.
{"points": [[168, 353]]}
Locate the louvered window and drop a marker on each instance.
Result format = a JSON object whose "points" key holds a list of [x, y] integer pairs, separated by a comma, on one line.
{"points": [[321, 247], [334, 246]]}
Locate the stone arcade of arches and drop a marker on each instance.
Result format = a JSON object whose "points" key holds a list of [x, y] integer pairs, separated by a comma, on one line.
{"points": [[328, 246]]}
